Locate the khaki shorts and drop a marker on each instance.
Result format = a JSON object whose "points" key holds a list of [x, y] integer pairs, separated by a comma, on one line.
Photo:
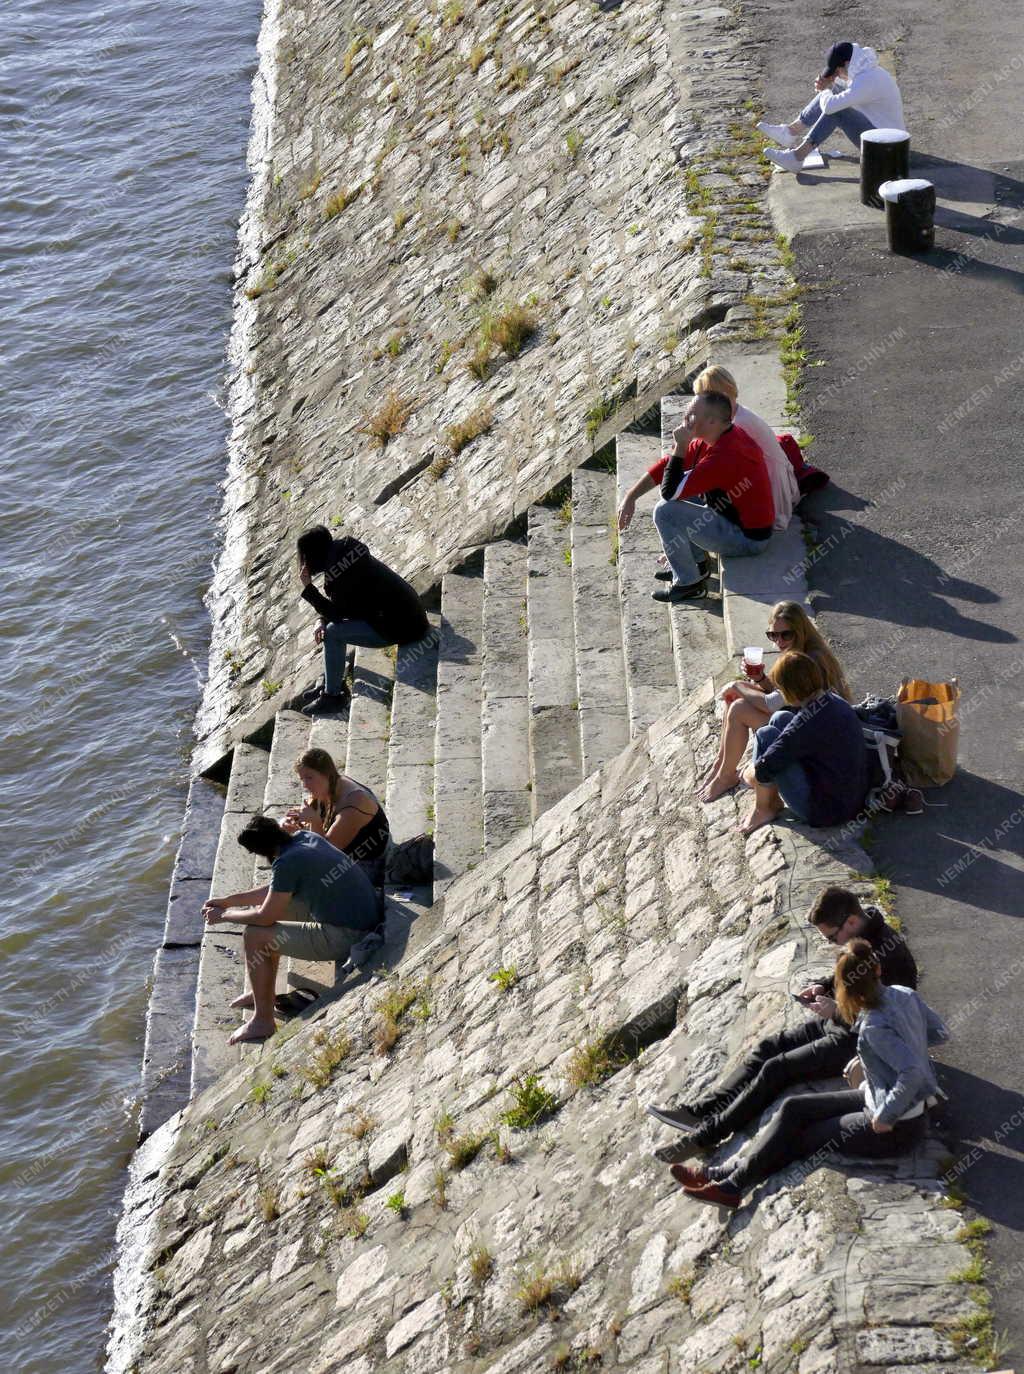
{"points": [[314, 940]]}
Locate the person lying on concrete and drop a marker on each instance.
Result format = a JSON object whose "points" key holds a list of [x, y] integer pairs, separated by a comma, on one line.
{"points": [[345, 812], [364, 602], [715, 497], [785, 492], [810, 757], [883, 1112], [854, 93], [750, 703], [319, 903], [818, 1048]]}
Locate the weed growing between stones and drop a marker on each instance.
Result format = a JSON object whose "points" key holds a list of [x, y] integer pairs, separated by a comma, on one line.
{"points": [[317, 1162], [463, 1149], [592, 1062], [392, 1009], [270, 687], [504, 979], [681, 1285], [480, 361], [509, 329], [440, 1190], [264, 283], [481, 1264], [362, 1125], [602, 409], [437, 469], [542, 1289], [396, 1204], [481, 285], [478, 55], [401, 218], [389, 419], [327, 1053], [259, 1092], [477, 422], [268, 1202], [573, 144], [532, 1103]]}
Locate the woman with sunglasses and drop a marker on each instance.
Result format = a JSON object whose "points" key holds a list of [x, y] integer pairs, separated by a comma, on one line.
{"points": [[750, 704]]}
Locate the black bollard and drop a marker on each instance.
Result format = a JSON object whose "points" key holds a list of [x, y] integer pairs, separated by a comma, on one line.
{"points": [[884, 156], [909, 214]]}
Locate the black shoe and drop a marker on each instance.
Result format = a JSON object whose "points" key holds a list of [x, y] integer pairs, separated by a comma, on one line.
{"points": [[665, 574], [696, 591], [328, 704], [679, 1118], [310, 694]]}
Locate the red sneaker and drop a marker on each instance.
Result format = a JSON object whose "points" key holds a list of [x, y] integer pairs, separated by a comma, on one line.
{"points": [[689, 1177], [721, 1194]]}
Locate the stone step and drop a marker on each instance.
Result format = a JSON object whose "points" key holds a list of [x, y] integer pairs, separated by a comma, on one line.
{"points": [[555, 760], [600, 668], [410, 764], [221, 959], [458, 811], [370, 719], [504, 710], [651, 687], [331, 733]]}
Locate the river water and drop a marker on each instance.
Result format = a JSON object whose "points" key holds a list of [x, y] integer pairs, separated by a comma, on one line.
{"points": [[123, 133]]}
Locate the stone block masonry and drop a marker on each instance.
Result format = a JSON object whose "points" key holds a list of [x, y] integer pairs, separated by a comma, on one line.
{"points": [[488, 216], [362, 1196]]}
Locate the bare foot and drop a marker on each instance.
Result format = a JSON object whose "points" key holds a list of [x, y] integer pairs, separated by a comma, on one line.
{"points": [[254, 1029], [759, 817], [245, 1002], [718, 786]]}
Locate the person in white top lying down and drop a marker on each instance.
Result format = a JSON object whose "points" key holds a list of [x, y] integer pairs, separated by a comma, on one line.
{"points": [[854, 93]]}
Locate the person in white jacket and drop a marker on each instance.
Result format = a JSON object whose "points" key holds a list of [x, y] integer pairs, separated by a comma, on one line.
{"points": [[854, 93], [785, 492]]}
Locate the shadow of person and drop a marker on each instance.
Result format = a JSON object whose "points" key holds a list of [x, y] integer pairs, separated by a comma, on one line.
{"points": [[962, 182], [848, 565], [985, 1125], [958, 844]]}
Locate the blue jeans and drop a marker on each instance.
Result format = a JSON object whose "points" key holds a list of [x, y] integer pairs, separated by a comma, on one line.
{"points": [[793, 783], [338, 635], [852, 122], [688, 528]]}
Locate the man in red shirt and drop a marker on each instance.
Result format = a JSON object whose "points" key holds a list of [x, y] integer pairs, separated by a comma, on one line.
{"points": [[717, 462]]}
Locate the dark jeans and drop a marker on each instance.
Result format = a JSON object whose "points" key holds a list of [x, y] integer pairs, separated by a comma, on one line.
{"points": [[814, 1126], [814, 1049]]}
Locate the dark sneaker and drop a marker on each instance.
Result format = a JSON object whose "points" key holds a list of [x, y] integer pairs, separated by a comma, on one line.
{"points": [[696, 591], [722, 1194], [690, 1177], [310, 694], [328, 704], [679, 1118], [665, 574], [913, 802]]}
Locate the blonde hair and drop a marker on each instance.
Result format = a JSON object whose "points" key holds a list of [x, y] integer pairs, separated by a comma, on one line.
{"points": [[797, 676], [808, 639], [718, 379]]}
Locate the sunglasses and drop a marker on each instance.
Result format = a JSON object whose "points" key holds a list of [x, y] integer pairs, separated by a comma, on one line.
{"points": [[776, 636]]}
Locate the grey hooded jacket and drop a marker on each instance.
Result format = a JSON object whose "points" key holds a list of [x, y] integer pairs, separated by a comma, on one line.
{"points": [[892, 1043]]}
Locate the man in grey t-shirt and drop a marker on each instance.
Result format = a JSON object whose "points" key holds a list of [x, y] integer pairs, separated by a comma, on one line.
{"points": [[318, 904]]}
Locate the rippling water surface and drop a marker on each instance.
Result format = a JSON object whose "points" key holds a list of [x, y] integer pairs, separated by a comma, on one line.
{"points": [[122, 148]]}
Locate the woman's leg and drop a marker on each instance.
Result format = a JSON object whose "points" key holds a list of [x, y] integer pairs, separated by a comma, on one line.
{"points": [[802, 1128], [741, 717]]}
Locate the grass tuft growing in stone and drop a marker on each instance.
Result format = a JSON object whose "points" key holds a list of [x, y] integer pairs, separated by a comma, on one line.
{"points": [[396, 1203], [504, 979], [591, 1063], [481, 1263], [681, 1285], [532, 1103], [478, 55], [477, 422], [268, 1202], [463, 1149], [542, 1288], [327, 1053], [259, 1092], [340, 201], [510, 329], [573, 144], [362, 1124], [389, 418], [393, 1008], [439, 467]]}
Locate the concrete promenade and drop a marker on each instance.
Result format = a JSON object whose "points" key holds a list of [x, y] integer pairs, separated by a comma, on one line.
{"points": [[917, 409]]}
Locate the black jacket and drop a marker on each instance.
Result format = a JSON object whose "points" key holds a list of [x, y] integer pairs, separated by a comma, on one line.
{"points": [[358, 586], [899, 968]]}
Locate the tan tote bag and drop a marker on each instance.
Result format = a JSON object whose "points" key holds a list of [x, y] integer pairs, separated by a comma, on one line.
{"points": [[927, 714]]}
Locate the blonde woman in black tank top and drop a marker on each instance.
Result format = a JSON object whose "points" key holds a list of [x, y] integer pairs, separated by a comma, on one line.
{"points": [[345, 812]]}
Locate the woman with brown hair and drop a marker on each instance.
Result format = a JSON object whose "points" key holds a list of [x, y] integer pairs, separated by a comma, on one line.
{"points": [[810, 757], [345, 812], [749, 704], [881, 1114]]}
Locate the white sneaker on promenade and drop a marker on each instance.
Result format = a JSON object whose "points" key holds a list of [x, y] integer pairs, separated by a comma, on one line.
{"points": [[778, 133], [782, 157]]}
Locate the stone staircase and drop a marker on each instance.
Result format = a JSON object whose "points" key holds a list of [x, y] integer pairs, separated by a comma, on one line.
{"points": [[547, 657]]}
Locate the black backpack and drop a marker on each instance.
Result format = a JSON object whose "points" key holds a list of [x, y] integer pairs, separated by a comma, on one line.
{"points": [[411, 863]]}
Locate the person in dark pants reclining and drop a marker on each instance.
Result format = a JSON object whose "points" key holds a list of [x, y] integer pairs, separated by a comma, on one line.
{"points": [[363, 602], [811, 757], [883, 1113], [318, 905], [818, 1048]]}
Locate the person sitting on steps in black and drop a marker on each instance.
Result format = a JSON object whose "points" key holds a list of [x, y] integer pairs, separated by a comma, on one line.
{"points": [[884, 1112], [818, 1048], [364, 602]]}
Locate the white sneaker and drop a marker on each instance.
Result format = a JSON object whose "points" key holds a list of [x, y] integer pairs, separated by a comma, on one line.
{"points": [[782, 157], [778, 133]]}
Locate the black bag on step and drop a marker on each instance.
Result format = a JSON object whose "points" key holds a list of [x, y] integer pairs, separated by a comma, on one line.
{"points": [[411, 863]]}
